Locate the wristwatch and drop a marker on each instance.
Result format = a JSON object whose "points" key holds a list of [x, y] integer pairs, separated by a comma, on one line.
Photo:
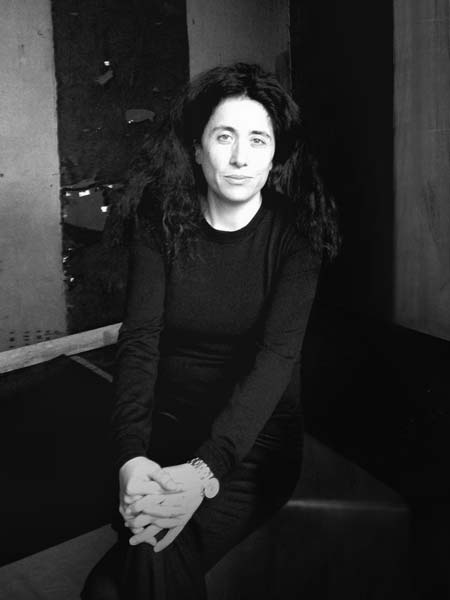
{"points": [[211, 484]]}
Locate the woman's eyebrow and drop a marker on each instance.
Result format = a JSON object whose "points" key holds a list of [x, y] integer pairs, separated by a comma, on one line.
{"points": [[223, 127], [233, 130], [264, 133]]}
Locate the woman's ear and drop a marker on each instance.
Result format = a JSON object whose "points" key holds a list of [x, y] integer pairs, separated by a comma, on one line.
{"points": [[198, 153]]}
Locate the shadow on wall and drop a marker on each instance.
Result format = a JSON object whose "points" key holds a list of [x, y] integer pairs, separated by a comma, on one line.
{"points": [[342, 58]]}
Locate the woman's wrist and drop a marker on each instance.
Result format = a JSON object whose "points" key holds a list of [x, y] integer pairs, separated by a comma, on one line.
{"points": [[210, 483], [131, 461]]}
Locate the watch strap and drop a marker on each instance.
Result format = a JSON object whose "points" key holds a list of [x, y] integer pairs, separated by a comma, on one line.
{"points": [[210, 483]]}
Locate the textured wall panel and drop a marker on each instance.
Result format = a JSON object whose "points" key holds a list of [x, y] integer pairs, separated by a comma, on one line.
{"points": [[31, 280], [422, 163], [253, 31]]}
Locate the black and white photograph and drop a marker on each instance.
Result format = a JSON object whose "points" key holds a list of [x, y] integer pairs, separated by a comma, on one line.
{"points": [[224, 300]]}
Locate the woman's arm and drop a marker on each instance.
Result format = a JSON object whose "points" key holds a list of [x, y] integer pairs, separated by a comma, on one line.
{"points": [[136, 371], [138, 355], [256, 395]]}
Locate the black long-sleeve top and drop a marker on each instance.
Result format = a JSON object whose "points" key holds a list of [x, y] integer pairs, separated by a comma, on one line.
{"points": [[214, 339]]}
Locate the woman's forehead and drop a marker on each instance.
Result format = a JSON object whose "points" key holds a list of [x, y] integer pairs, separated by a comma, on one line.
{"points": [[240, 113]]}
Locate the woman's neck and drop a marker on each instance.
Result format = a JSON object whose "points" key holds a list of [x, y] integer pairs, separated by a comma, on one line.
{"points": [[230, 216]]}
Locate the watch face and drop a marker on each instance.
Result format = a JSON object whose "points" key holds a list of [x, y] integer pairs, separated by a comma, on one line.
{"points": [[212, 488]]}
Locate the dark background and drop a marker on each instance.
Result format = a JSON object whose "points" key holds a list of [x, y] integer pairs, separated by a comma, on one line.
{"points": [[343, 73], [375, 391]]}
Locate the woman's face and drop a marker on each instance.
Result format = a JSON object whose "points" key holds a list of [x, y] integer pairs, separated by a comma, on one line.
{"points": [[236, 150]]}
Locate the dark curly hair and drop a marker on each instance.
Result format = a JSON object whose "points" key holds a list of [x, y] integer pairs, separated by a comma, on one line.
{"points": [[165, 180]]}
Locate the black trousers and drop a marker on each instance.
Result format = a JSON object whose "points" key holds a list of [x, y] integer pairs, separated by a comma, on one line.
{"points": [[255, 490]]}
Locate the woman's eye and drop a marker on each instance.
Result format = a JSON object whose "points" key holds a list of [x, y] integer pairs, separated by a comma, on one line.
{"points": [[224, 137], [258, 141]]}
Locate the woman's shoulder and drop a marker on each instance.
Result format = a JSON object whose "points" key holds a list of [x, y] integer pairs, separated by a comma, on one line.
{"points": [[148, 230], [282, 218], [286, 229]]}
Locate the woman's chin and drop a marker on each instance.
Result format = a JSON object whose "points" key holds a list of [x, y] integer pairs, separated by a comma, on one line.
{"points": [[239, 196]]}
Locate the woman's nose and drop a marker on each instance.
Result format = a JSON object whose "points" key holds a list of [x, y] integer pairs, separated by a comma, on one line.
{"points": [[239, 155]]}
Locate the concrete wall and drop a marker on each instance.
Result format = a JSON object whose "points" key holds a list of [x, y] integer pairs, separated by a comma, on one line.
{"points": [[251, 30], [32, 305], [422, 165]]}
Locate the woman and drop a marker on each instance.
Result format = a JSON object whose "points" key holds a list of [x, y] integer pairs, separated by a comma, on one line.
{"points": [[207, 429]]}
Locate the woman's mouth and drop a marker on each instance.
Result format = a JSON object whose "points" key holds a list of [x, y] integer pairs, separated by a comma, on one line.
{"points": [[237, 178]]}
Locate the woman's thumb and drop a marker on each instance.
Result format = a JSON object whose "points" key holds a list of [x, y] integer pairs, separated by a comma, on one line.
{"points": [[165, 481]]}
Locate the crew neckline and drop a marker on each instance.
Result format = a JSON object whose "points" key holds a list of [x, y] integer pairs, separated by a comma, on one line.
{"points": [[222, 236]]}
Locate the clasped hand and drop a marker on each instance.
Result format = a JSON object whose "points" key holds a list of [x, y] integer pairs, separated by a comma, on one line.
{"points": [[153, 499]]}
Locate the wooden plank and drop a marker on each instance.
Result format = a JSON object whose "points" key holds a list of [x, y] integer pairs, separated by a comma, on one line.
{"points": [[89, 365], [26, 356]]}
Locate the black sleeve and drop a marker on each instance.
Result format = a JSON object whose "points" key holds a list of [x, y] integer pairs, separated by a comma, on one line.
{"points": [[138, 354], [255, 397]]}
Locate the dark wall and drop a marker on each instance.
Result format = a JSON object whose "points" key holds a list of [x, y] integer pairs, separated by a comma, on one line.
{"points": [[145, 42], [376, 392], [342, 58]]}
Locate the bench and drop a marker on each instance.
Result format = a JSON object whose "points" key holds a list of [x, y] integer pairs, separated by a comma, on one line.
{"points": [[343, 534]]}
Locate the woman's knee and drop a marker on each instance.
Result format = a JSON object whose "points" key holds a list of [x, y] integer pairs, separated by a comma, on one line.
{"points": [[101, 583], [100, 587]]}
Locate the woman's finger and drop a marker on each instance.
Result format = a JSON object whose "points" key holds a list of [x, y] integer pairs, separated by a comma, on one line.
{"points": [[136, 530], [169, 523], [165, 480], [153, 506], [139, 521], [153, 530], [130, 498], [147, 535], [176, 499], [168, 538], [141, 486], [156, 512], [161, 523]]}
